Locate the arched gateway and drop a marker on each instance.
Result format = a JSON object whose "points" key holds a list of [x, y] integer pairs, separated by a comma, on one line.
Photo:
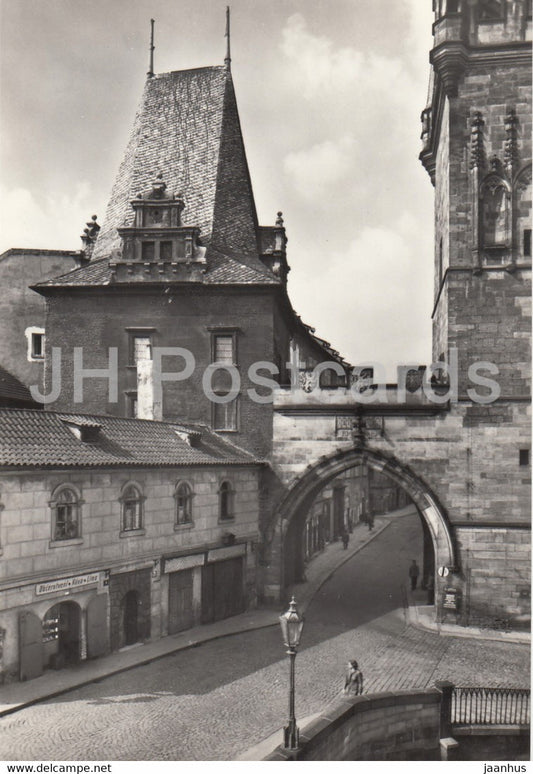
{"points": [[293, 509]]}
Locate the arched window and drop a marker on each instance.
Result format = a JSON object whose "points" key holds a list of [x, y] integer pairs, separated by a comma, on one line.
{"points": [[184, 496], [225, 499], [495, 212], [66, 513], [132, 508]]}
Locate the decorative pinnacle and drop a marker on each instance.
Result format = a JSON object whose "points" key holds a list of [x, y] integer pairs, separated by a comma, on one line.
{"points": [[477, 150], [279, 220], [227, 60], [150, 72]]}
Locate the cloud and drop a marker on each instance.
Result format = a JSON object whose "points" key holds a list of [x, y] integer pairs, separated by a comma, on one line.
{"points": [[322, 165], [53, 223], [379, 299], [315, 64], [350, 106]]}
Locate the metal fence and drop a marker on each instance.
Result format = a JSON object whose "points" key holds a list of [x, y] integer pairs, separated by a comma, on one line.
{"points": [[490, 706]]}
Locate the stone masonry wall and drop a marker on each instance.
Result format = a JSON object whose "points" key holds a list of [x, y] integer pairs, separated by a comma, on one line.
{"points": [[183, 318], [386, 727], [26, 527], [469, 460], [22, 308]]}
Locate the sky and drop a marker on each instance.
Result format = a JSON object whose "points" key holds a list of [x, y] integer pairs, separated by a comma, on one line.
{"points": [[329, 95]]}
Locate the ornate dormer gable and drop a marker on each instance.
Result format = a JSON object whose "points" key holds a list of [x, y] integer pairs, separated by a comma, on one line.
{"points": [[157, 246]]}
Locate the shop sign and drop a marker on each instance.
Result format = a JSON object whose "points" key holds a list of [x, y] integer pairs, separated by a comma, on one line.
{"points": [[218, 554], [450, 599], [66, 584], [184, 562]]}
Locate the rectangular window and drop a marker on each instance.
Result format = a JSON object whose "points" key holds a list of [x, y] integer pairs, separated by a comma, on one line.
{"points": [[165, 251], [225, 415], [527, 243], [148, 252], [223, 349], [524, 457], [37, 345], [142, 348], [131, 405]]}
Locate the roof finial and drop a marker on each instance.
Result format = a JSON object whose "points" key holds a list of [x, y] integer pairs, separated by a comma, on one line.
{"points": [[150, 72], [227, 60]]}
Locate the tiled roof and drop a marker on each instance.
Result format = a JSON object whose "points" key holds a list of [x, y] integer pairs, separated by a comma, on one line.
{"points": [[12, 389], [187, 128], [44, 439], [222, 270]]}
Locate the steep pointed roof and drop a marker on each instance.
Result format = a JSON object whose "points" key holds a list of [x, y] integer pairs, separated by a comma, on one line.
{"points": [[187, 128]]}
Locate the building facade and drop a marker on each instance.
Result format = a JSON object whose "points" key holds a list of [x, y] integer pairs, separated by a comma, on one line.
{"points": [[115, 532]]}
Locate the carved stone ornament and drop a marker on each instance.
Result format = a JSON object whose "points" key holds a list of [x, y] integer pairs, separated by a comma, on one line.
{"points": [[477, 149], [306, 381]]}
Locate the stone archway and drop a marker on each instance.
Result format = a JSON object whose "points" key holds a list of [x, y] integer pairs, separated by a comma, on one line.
{"points": [[292, 510]]}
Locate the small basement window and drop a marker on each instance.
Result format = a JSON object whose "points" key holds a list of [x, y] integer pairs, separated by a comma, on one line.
{"points": [[524, 457]]}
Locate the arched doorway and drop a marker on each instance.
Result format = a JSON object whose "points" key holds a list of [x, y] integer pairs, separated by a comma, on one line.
{"points": [[130, 617], [62, 635], [293, 510]]}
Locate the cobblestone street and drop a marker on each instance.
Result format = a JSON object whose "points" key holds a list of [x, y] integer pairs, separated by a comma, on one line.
{"points": [[215, 701]]}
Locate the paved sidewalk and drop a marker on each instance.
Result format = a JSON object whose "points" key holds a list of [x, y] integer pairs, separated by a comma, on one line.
{"points": [[15, 696], [422, 616]]}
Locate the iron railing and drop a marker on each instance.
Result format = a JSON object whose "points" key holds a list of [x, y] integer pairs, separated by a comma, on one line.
{"points": [[490, 706]]}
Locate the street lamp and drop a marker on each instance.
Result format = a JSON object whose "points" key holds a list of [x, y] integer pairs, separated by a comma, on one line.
{"points": [[291, 628]]}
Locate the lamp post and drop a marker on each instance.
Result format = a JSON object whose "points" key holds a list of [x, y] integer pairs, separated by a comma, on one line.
{"points": [[291, 628]]}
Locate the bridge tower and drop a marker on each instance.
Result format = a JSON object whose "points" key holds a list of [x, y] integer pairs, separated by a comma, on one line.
{"points": [[477, 150], [464, 459]]}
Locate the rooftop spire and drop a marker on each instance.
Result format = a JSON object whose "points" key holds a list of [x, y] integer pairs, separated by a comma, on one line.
{"points": [[150, 72], [227, 60]]}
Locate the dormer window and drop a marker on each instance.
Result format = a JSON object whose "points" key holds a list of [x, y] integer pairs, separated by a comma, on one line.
{"points": [[148, 252], [165, 251]]}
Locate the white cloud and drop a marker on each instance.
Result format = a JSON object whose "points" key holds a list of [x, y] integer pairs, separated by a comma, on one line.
{"points": [[315, 64], [378, 298], [50, 223], [325, 164]]}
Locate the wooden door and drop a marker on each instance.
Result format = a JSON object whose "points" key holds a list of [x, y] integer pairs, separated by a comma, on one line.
{"points": [[31, 645], [97, 636], [208, 593], [228, 588], [130, 617], [180, 608]]}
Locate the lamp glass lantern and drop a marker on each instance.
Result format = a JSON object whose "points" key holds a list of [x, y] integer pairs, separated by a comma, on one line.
{"points": [[291, 624]]}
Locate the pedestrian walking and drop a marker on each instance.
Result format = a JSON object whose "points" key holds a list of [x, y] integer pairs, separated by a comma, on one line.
{"points": [[414, 572], [345, 539], [353, 683], [370, 521]]}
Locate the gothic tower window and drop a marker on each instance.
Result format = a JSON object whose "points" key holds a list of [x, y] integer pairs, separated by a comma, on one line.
{"points": [[495, 212]]}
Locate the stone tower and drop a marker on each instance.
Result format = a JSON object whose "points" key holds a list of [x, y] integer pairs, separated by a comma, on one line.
{"points": [[477, 150]]}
